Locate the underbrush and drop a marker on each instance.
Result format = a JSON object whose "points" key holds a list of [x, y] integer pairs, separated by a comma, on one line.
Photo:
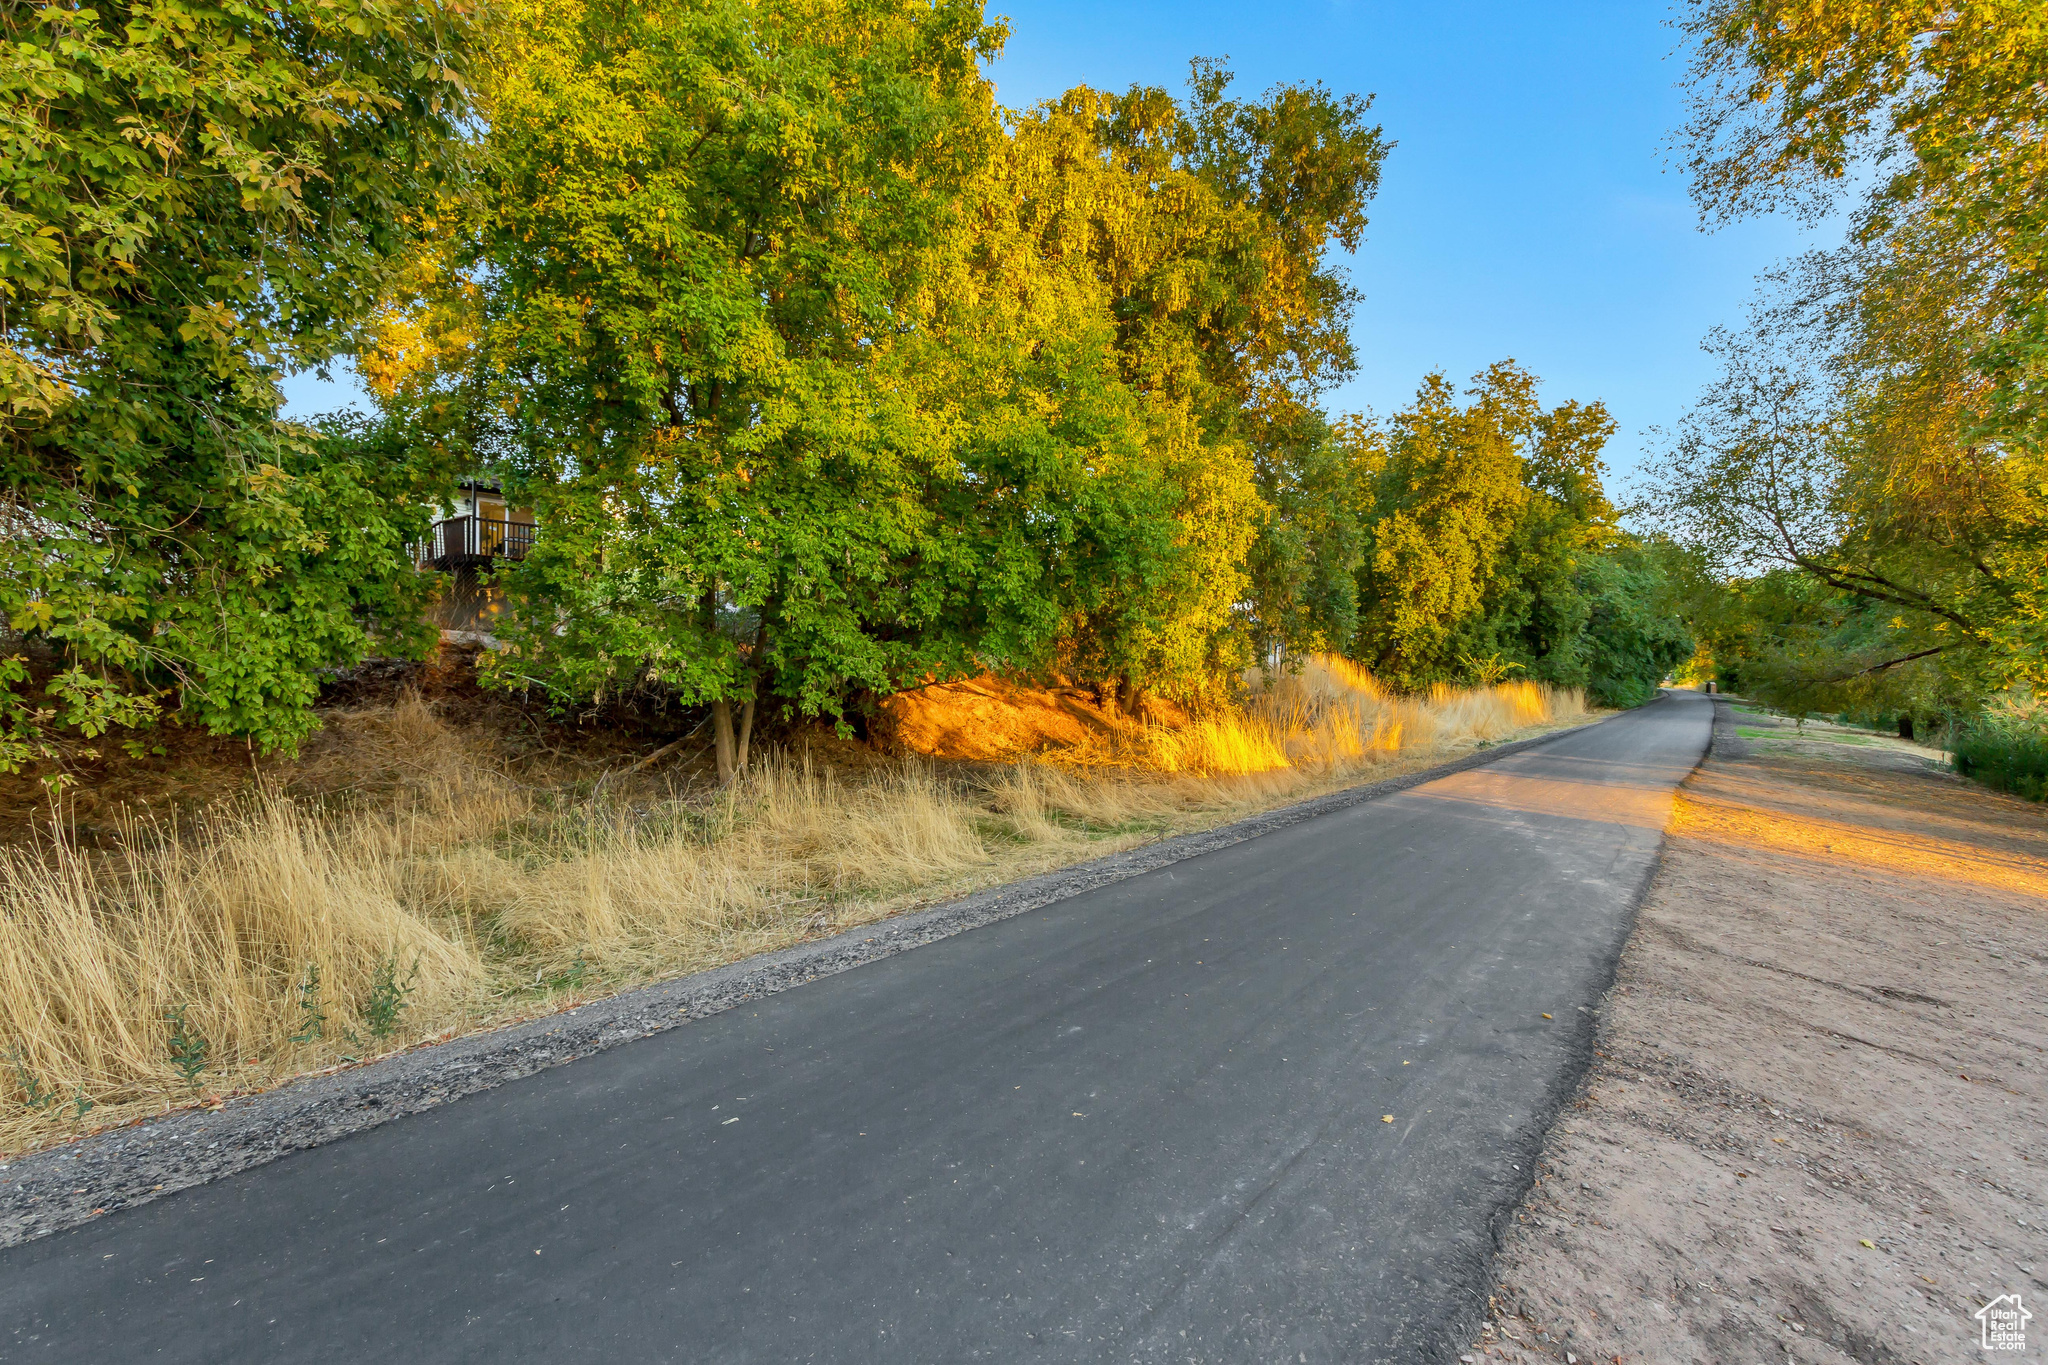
{"points": [[269, 936], [2006, 746]]}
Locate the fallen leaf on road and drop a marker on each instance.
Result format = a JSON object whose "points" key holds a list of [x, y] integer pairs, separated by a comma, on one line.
{"points": [[1546, 1016], [1872, 1245], [1386, 1118]]}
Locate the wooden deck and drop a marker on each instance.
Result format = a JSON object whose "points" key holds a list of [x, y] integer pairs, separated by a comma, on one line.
{"points": [[465, 542]]}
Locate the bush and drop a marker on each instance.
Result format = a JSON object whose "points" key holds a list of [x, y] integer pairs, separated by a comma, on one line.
{"points": [[2006, 747]]}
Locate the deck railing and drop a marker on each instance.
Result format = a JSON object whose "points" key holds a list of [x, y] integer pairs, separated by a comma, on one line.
{"points": [[460, 541]]}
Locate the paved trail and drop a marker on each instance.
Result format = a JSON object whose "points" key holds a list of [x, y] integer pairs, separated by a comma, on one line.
{"points": [[1143, 1124]]}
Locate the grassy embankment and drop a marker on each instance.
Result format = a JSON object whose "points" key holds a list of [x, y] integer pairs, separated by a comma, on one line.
{"points": [[267, 937]]}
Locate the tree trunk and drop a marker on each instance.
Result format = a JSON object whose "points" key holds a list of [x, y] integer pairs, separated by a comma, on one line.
{"points": [[746, 732], [757, 658], [721, 739], [1129, 698]]}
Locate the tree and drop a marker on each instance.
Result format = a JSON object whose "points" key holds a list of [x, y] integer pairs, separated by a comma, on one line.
{"points": [[1882, 427], [1635, 633], [1491, 545], [1537, 609], [824, 382], [1444, 499], [195, 198], [712, 227], [1303, 568], [1802, 461], [1209, 228]]}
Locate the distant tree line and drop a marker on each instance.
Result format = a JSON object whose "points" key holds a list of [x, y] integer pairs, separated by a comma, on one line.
{"points": [[824, 374]]}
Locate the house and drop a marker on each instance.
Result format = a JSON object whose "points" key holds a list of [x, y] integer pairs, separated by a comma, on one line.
{"points": [[467, 543]]}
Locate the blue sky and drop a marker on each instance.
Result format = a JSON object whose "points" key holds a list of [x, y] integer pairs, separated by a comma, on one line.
{"points": [[1526, 212]]}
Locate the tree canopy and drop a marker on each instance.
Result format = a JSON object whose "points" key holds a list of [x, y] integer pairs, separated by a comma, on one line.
{"points": [[827, 377], [824, 374], [1878, 427], [1491, 545], [194, 199]]}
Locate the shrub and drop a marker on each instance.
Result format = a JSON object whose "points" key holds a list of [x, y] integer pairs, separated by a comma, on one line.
{"points": [[2006, 746]]}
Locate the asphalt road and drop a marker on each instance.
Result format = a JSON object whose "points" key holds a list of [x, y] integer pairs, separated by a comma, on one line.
{"points": [[1146, 1123]]}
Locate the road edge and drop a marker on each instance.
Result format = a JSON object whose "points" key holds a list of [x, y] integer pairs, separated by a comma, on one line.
{"points": [[62, 1187]]}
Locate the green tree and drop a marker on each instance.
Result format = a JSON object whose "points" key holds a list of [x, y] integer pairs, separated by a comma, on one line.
{"points": [[1209, 228], [823, 382], [1880, 428], [1786, 639], [1792, 462], [194, 199], [1303, 596], [1445, 498], [1635, 634], [1537, 609], [711, 227], [1490, 544]]}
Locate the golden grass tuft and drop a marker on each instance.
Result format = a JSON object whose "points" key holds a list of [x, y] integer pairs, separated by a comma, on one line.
{"points": [[495, 899]]}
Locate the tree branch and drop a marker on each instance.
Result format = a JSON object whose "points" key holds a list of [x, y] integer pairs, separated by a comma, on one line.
{"points": [[1911, 599], [1888, 663]]}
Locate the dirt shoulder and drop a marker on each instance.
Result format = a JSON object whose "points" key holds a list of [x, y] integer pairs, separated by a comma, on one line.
{"points": [[1816, 1123]]}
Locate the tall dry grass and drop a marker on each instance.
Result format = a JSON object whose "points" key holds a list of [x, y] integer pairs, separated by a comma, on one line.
{"points": [[489, 898], [1333, 716]]}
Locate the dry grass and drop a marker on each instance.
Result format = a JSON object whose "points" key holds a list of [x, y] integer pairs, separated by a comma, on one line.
{"points": [[1334, 716], [491, 898]]}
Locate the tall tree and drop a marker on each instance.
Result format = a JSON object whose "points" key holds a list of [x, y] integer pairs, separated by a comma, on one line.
{"points": [[1490, 548], [1303, 595], [1213, 228], [1445, 498], [1882, 427], [194, 199], [711, 223]]}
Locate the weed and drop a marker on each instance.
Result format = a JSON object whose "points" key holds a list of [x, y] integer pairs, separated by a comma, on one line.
{"points": [[1490, 671], [312, 1019], [388, 996], [570, 978], [187, 1046], [33, 1093]]}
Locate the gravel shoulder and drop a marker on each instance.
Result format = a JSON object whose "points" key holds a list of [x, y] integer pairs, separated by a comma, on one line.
{"points": [[1815, 1127], [61, 1187]]}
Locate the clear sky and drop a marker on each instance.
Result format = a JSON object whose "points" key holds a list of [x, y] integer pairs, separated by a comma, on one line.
{"points": [[1526, 212]]}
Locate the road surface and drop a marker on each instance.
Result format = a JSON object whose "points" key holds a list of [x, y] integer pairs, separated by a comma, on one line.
{"points": [[1261, 1105]]}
